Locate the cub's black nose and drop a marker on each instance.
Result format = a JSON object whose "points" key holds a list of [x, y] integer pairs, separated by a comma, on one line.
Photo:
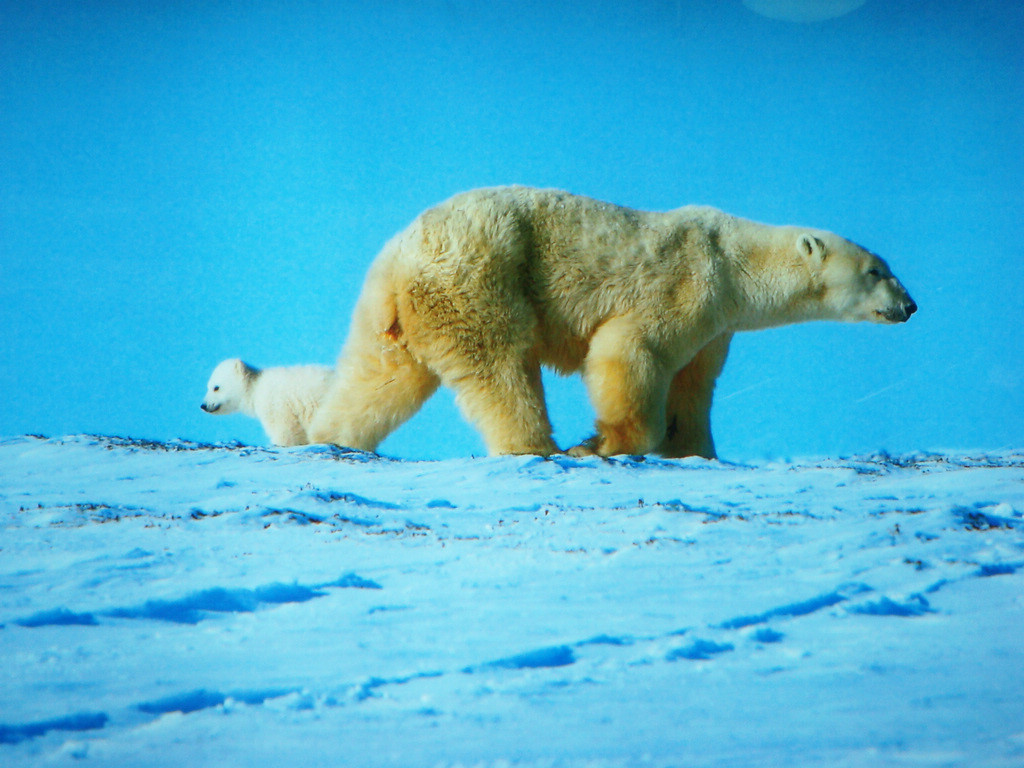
{"points": [[911, 308]]}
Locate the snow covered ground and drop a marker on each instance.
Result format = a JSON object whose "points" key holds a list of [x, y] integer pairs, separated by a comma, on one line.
{"points": [[188, 605]]}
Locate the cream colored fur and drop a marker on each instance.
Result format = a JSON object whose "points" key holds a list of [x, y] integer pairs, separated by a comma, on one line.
{"points": [[283, 399], [481, 291]]}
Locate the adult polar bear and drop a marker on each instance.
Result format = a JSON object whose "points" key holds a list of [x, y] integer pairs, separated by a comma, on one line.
{"points": [[481, 290]]}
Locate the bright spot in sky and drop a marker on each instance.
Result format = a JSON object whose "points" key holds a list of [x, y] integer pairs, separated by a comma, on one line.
{"points": [[803, 10]]}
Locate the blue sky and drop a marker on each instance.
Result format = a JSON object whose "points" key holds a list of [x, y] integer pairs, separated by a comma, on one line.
{"points": [[193, 181]]}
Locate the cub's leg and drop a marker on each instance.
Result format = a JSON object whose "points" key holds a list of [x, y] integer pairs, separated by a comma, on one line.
{"points": [[688, 416], [285, 431], [628, 387]]}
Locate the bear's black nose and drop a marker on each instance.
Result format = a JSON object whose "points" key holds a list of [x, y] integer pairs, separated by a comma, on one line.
{"points": [[911, 308]]}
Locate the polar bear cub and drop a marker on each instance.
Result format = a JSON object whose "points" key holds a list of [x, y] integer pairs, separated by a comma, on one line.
{"points": [[284, 399]]}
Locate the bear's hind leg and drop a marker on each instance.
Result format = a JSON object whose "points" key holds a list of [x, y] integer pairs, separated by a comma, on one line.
{"points": [[504, 400], [688, 431], [370, 396]]}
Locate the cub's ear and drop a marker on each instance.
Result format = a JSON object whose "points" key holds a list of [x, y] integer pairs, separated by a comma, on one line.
{"points": [[811, 247], [245, 370]]}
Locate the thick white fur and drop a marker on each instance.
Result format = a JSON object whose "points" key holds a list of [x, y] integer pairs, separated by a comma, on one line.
{"points": [[480, 291], [285, 399]]}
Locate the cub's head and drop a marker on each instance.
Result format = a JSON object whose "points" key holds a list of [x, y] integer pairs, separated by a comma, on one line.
{"points": [[853, 283], [227, 387]]}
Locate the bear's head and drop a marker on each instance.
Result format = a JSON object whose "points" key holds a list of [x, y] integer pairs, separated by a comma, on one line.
{"points": [[229, 383], [852, 283]]}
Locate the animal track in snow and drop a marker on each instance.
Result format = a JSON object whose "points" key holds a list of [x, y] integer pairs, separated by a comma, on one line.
{"points": [[999, 569], [83, 721], [555, 656], [699, 650], [332, 497], [802, 608], [194, 701], [982, 517], [917, 605], [58, 617], [198, 606]]}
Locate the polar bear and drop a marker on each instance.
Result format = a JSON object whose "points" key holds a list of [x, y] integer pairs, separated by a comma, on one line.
{"points": [[482, 290], [283, 399]]}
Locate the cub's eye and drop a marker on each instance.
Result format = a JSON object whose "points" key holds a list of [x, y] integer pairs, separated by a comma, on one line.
{"points": [[875, 272], [216, 389]]}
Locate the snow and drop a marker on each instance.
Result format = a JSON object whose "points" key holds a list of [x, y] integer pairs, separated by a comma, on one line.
{"points": [[168, 604]]}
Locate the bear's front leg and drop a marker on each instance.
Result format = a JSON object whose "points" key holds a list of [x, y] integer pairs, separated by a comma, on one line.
{"points": [[688, 415], [628, 387]]}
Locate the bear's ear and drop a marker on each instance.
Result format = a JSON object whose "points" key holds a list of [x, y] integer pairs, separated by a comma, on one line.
{"points": [[811, 247], [243, 370]]}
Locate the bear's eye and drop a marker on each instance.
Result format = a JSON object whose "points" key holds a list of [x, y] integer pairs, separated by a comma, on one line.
{"points": [[875, 272], [217, 388]]}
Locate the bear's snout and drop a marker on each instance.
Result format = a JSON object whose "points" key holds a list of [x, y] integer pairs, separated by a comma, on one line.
{"points": [[906, 309], [209, 408], [900, 313]]}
